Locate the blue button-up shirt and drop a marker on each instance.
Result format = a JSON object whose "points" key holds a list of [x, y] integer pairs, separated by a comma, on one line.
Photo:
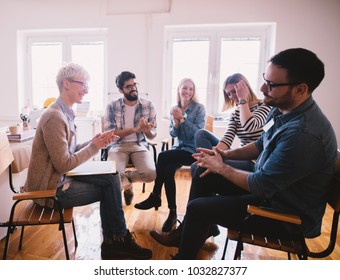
{"points": [[185, 132], [296, 163]]}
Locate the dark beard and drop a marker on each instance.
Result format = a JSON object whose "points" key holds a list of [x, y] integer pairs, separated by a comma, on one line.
{"points": [[131, 97]]}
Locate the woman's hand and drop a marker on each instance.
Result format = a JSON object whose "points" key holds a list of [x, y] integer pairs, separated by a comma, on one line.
{"points": [[242, 90], [177, 113], [102, 140]]}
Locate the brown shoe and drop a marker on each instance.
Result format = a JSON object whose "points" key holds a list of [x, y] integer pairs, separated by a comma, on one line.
{"points": [[124, 247], [128, 196], [170, 239]]}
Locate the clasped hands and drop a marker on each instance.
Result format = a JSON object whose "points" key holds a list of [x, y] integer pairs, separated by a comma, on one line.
{"points": [[212, 160]]}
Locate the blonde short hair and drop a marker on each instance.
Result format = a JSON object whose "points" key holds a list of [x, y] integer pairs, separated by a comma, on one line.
{"points": [[69, 72]]}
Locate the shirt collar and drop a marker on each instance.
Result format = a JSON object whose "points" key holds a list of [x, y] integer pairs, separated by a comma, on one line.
{"points": [[66, 110], [298, 110]]}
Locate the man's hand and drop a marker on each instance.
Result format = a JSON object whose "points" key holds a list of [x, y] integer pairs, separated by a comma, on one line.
{"points": [[204, 152], [212, 160], [144, 126]]}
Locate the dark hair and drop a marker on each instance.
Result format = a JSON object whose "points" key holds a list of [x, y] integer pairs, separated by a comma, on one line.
{"points": [[123, 77], [303, 66]]}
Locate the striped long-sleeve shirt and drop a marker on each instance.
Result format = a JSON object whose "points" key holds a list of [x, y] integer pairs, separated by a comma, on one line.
{"points": [[252, 129]]}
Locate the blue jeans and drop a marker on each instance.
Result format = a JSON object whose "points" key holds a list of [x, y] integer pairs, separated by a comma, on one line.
{"points": [[205, 139], [105, 188]]}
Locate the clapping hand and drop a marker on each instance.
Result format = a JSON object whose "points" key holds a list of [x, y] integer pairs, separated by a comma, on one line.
{"points": [[177, 113], [144, 126], [102, 140]]}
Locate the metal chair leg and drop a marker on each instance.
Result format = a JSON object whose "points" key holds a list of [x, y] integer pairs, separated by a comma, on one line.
{"points": [[225, 248], [74, 234], [239, 248], [7, 242], [21, 237]]}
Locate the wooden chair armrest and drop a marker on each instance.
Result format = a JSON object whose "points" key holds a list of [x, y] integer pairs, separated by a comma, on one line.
{"points": [[267, 213], [152, 143], [35, 195], [165, 144], [165, 140]]}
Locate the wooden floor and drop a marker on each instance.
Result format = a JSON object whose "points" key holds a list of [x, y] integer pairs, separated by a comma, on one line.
{"points": [[45, 242]]}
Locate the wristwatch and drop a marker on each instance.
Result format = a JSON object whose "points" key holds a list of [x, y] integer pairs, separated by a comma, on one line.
{"points": [[242, 101]]}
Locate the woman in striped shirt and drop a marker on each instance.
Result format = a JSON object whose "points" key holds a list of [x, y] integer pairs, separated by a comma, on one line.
{"points": [[245, 122]]}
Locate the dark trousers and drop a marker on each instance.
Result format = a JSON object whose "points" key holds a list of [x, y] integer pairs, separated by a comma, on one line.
{"points": [[214, 200], [167, 164]]}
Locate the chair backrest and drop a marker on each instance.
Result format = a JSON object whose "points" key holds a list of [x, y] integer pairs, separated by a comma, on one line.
{"points": [[6, 156], [334, 198], [209, 123]]}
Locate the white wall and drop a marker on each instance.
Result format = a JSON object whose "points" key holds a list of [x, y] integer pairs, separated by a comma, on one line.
{"points": [[136, 41]]}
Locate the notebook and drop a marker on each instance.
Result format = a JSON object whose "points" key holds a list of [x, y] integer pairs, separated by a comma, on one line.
{"points": [[22, 136], [93, 168]]}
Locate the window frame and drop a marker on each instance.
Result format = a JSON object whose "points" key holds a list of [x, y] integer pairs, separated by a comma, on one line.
{"points": [[215, 33], [67, 37]]}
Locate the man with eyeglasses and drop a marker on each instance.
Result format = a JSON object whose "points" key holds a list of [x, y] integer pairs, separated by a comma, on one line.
{"points": [[295, 160], [134, 121]]}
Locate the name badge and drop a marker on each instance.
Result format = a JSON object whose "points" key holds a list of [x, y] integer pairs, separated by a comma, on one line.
{"points": [[268, 125]]}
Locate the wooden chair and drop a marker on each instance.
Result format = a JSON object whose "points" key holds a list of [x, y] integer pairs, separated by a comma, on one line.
{"points": [[295, 245], [25, 212], [129, 166]]}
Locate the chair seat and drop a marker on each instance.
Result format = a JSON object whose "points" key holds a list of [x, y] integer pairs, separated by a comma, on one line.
{"points": [[291, 246], [29, 213]]}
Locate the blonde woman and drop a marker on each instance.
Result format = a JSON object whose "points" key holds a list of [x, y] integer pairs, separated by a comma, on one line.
{"points": [[187, 116]]}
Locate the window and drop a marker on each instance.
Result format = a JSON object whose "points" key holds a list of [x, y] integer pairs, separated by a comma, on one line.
{"points": [[46, 53], [210, 53]]}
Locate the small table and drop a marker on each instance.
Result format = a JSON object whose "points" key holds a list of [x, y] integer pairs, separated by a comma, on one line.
{"points": [[22, 154]]}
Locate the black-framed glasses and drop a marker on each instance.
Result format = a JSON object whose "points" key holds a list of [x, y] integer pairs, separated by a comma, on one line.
{"points": [[270, 85], [129, 87], [83, 84]]}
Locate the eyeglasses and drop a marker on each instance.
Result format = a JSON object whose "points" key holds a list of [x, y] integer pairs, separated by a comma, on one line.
{"points": [[270, 85], [83, 84], [128, 87]]}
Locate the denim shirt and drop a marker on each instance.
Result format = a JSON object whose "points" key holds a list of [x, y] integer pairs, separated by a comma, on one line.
{"points": [[296, 163], [185, 132], [115, 117]]}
